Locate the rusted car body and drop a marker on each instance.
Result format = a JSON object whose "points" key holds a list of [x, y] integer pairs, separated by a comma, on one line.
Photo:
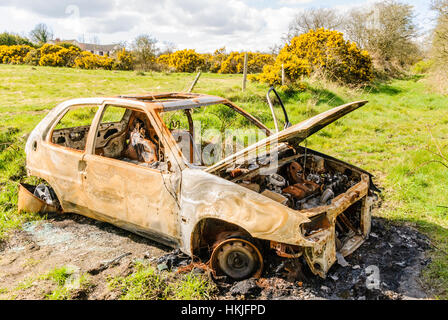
{"points": [[233, 210]]}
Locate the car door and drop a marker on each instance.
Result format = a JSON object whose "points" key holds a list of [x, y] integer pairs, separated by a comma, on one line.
{"points": [[65, 147], [130, 195]]}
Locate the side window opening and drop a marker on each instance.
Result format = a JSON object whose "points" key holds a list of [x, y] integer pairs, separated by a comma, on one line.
{"points": [[128, 135], [180, 124], [73, 128]]}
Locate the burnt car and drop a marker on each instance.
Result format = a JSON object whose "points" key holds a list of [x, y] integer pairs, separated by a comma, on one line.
{"points": [[168, 166]]}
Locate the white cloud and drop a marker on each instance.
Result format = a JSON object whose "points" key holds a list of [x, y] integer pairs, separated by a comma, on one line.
{"points": [[204, 25], [56, 8], [295, 1]]}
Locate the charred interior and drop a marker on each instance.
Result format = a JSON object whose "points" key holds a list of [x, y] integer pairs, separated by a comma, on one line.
{"points": [[132, 139]]}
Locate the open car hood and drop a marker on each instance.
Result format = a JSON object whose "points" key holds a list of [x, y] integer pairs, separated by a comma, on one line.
{"points": [[294, 134]]}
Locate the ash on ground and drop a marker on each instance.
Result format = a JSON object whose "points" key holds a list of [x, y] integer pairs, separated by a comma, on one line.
{"points": [[394, 255], [386, 267]]}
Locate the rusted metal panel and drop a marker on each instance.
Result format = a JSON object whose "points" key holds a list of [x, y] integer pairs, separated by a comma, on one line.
{"points": [[28, 202]]}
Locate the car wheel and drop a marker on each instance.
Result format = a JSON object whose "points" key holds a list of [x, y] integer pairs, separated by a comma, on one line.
{"points": [[237, 258]]}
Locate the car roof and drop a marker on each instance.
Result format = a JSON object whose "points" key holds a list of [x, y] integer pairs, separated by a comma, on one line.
{"points": [[174, 100]]}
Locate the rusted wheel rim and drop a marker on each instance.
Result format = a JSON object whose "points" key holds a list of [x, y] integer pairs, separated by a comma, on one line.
{"points": [[237, 258]]}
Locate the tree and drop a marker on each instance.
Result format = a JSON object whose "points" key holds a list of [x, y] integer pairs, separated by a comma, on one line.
{"points": [[356, 26], [388, 31], [440, 36], [41, 34], [441, 6], [145, 51], [10, 39], [313, 19], [168, 47]]}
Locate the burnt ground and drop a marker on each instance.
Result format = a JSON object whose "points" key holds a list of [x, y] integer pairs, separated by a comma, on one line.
{"points": [[103, 251]]}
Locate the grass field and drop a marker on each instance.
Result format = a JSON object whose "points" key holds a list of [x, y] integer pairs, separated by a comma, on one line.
{"points": [[394, 136]]}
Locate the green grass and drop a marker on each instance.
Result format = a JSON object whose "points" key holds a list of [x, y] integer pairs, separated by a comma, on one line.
{"points": [[146, 283], [59, 275], [25, 284], [388, 137], [65, 283]]}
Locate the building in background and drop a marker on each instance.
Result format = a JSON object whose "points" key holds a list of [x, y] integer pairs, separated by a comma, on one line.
{"points": [[99, 49]]}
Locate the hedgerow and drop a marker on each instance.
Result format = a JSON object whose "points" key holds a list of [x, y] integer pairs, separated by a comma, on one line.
{"points": [[64, 56], [218, 62]]}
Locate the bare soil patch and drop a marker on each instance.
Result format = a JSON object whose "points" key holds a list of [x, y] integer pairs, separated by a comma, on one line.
{"points": [[397, 254]]}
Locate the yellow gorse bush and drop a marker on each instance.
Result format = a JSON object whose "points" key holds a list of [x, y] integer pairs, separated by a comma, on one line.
{"points": [[187, 60], [215, 60], [321, 51], [219, 62], [124, 60], [88, 60], [58, 56], [54, 56], [14, 54]]}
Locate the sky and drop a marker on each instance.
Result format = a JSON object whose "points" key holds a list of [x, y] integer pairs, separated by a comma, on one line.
{"points": [[204, 25]]}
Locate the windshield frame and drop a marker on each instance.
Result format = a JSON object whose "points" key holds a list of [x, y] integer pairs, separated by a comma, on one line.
{"points": [[225, 102]]}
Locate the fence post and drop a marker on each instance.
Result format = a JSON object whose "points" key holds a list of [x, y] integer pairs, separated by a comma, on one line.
{"points": [[245, 71], [283, 74], [194, 82]]}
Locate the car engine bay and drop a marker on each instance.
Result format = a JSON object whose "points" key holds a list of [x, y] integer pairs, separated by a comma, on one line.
{"points": [[302, 181]]}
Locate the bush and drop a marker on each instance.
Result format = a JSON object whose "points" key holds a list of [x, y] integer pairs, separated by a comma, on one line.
{"points": [[124, 60], [322, 52], [9, 39], [32, 57], [422, 67], [56, 56], [14, 54], [47, 55], [88, 60], [218, 62], [68, 45], [187, 60], [214, 62], [64, 56]]}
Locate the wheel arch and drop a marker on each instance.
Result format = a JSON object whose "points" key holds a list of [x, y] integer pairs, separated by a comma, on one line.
{"points": [[52, 186], [208, 230]]}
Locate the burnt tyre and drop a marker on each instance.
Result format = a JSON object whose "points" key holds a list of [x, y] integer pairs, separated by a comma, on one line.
{"points": [[237, 258]]}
